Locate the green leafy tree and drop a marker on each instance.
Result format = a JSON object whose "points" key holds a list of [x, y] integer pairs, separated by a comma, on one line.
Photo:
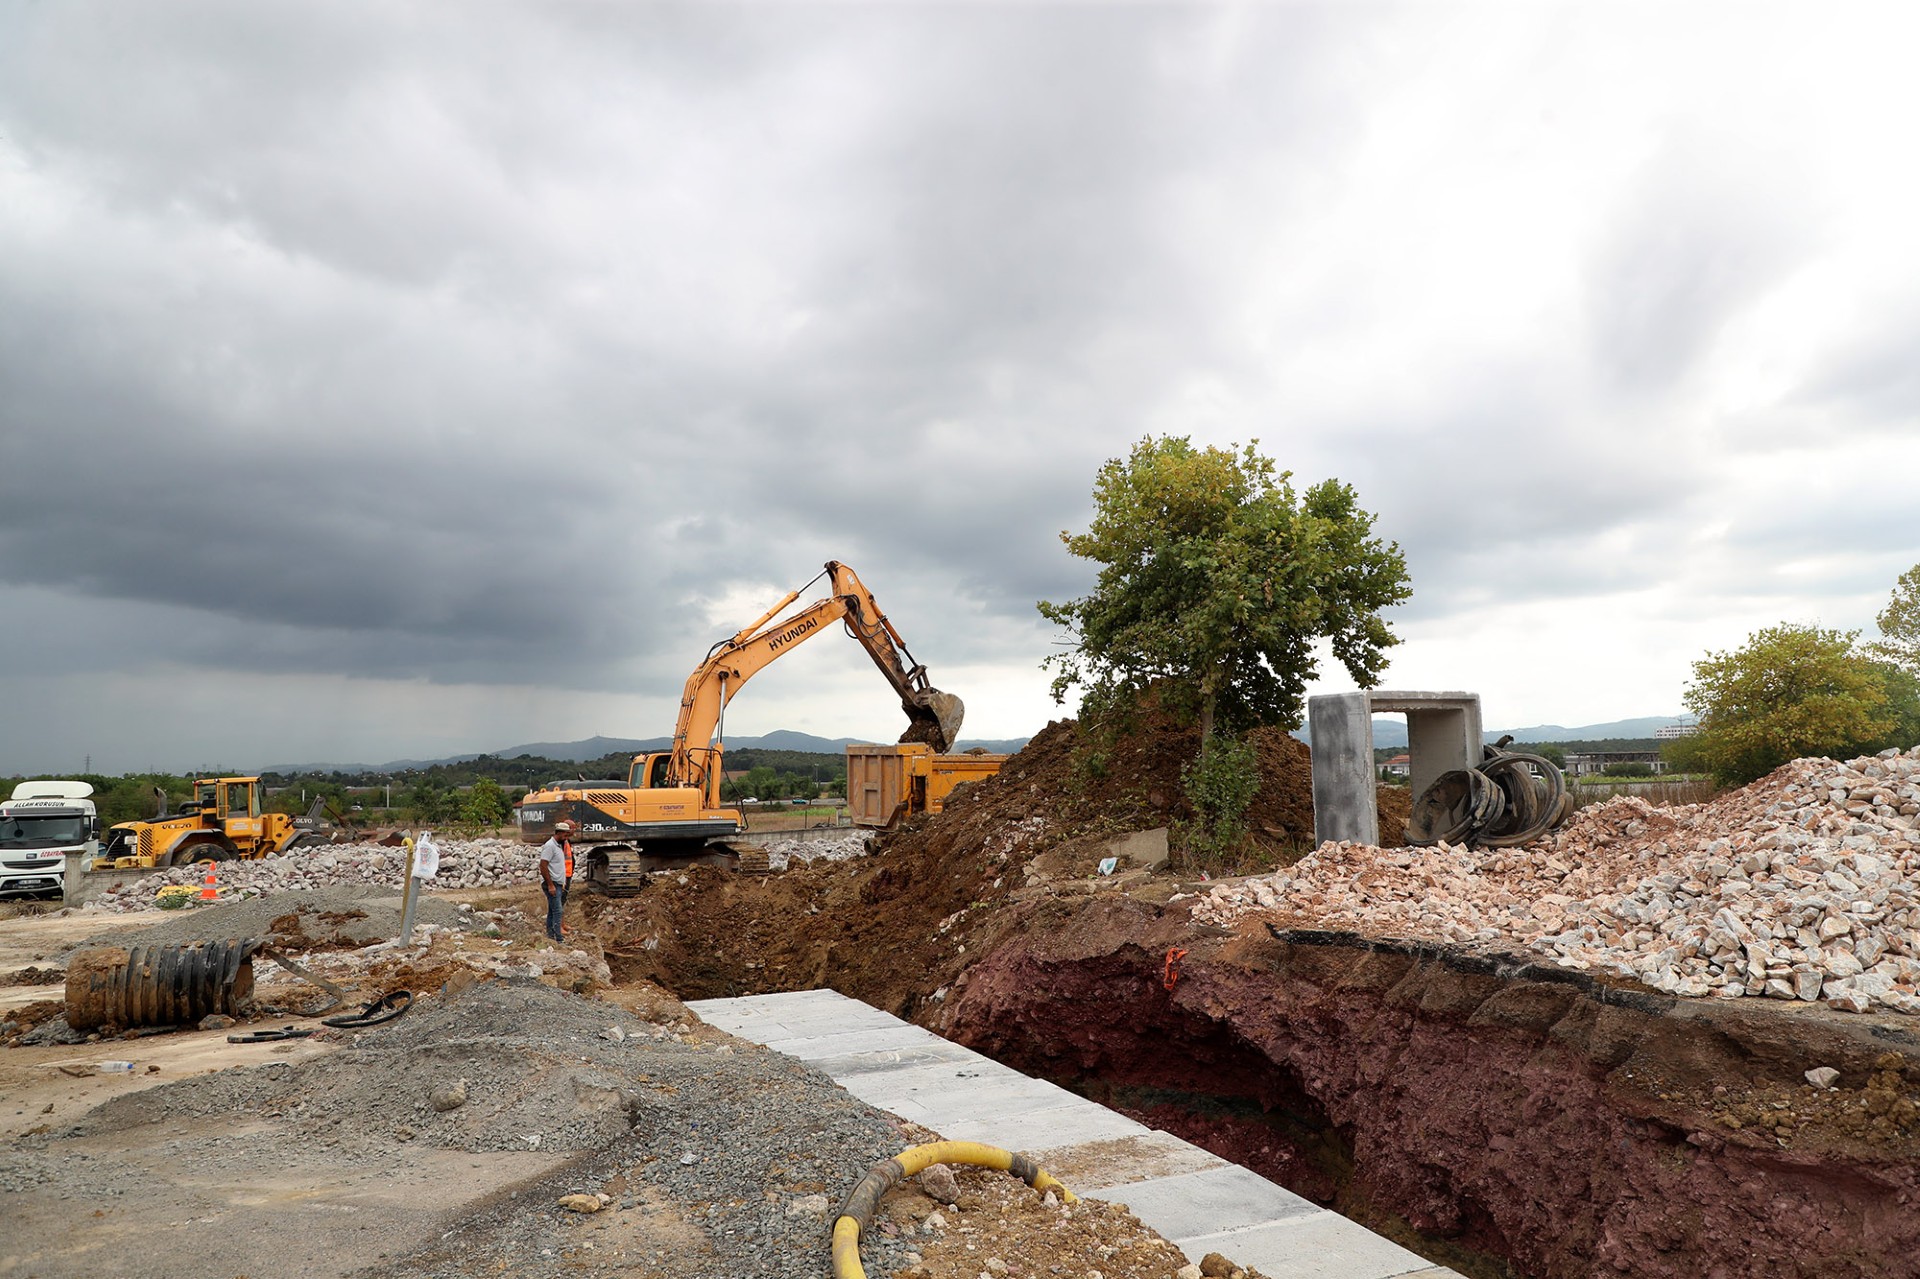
{"points": [[429, 802], [1552, 752], [1217, 579], [1792, 691], [1900, 623], [484, 805]]}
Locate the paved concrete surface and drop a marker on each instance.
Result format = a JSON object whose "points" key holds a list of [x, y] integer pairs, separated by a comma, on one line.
{"points": [[1199, 1201]]}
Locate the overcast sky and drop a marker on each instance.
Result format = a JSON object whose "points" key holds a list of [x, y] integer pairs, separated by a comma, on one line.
{"points": [[388, 380]]}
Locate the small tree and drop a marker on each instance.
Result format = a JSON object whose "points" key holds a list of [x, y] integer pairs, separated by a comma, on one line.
{"points": [[1793, 690], [485, 805], [1899, 623], [1217, 579]]}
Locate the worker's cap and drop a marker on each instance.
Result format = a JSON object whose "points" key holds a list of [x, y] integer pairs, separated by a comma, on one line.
{"points": [[563, 828]]}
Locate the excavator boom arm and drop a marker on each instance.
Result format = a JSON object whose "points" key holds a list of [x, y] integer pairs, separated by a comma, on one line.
{"points": [[935, 716]]}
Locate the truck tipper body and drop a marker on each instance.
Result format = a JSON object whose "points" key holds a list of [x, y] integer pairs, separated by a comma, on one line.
{"points": [[41, 825], [887, 784]]}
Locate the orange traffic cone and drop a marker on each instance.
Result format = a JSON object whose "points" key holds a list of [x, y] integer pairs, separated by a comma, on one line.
{"points": [[208, 892]]}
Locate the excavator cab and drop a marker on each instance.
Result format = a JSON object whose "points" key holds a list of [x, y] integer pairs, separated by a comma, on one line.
{"points": [[650, 771]]}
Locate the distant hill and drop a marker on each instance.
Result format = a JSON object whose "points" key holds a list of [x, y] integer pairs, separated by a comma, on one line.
{"points": [[600, 747], [1391, 731]]}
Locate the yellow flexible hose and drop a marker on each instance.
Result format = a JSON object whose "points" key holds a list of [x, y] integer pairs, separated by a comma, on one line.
{"points": [[887, 1174]]}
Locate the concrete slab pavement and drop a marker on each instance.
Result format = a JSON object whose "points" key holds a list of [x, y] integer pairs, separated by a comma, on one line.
{"points": [[1195, 1199]]}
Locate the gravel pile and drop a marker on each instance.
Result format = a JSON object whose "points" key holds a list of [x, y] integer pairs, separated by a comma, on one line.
{"points": [[464, 864], [1803, 886], [756, 1145], [350, 914], [835, 844]]}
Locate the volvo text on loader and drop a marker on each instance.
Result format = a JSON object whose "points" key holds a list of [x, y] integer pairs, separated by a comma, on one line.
{"points": [[668, 812]]}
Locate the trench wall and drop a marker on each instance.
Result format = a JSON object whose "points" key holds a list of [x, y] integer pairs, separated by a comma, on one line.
{"points": [[1551, 1128]]}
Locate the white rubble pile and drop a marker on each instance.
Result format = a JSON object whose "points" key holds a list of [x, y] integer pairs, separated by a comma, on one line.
{"points": [[828, 844], [464, 864], [1804, 885]]}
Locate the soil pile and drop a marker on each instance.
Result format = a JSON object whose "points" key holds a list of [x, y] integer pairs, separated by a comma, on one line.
{"points": [[1084, 785], [1804, 885], [896, 928]]}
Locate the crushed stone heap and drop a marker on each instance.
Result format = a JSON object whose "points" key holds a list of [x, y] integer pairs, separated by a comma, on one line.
{"points": [[476, 863], [464, 864], [1804, 885]]}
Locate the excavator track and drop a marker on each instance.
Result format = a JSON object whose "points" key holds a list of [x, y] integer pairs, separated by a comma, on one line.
{"points": [[621, 871]]}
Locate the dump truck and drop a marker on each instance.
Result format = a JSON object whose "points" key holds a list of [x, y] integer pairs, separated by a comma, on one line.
{"points": [[40, 827], [220, 821], [888, 784], [669, 812]]}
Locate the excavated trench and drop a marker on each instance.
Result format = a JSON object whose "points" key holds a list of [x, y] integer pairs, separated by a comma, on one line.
{"points": [[1515, 1120], [1502, 1120]]}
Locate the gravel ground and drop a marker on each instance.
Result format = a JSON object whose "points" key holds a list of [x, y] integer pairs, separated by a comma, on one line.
{"points": [[347, 914], [742, 1149]]}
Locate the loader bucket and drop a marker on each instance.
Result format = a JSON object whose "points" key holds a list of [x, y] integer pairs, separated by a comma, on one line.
{"points": [[936, 719]]}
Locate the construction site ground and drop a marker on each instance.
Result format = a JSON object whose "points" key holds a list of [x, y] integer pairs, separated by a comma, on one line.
{"points": [[1482, 1108]]}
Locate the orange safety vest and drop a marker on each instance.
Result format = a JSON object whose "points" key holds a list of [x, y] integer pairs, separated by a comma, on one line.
{"points": [[567, 846]]}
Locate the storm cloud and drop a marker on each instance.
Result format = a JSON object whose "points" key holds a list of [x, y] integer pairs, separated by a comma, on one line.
{"points": [[382, 380]]}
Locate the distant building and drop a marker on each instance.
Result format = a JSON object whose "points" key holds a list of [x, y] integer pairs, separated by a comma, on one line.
{"points": [[1592, 763], [1686, 728], [1398, 766]]}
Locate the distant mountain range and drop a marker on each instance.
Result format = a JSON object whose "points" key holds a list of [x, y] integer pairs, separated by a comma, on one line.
{"points": [[1388, 731], [600, 747]]}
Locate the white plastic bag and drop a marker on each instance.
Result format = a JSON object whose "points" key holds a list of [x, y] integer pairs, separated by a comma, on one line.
{"points": [[426, 856]]}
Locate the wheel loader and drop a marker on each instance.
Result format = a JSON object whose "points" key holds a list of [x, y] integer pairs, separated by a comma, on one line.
{"points": [[221, 821], [668, 812]]}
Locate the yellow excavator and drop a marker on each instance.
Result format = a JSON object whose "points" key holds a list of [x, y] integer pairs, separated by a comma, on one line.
{"points": [[668, 813]]}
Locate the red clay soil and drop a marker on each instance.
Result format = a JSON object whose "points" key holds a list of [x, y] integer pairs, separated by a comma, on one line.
{"points": [[1569, 1130]]}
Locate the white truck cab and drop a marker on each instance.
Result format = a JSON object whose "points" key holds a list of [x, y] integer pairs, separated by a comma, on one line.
{"points": [[40, 826]]}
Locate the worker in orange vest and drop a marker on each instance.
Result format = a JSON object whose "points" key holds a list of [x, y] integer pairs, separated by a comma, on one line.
{"points": [[556, 875]]}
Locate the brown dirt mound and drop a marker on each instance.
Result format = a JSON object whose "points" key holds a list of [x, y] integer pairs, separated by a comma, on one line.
{"points": [[894, 928]]}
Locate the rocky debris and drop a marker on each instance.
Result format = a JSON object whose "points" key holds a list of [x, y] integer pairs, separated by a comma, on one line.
{"points": [[1802, 886], [999, 1228], [828, 844], [464, 864], [939, 1184]]}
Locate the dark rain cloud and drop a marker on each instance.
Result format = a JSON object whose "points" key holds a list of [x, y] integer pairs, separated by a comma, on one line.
{"points": [[515, 345]]}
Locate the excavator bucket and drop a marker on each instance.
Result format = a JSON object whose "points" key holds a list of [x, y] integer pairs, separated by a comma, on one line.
{"points": [[936, 719]]}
